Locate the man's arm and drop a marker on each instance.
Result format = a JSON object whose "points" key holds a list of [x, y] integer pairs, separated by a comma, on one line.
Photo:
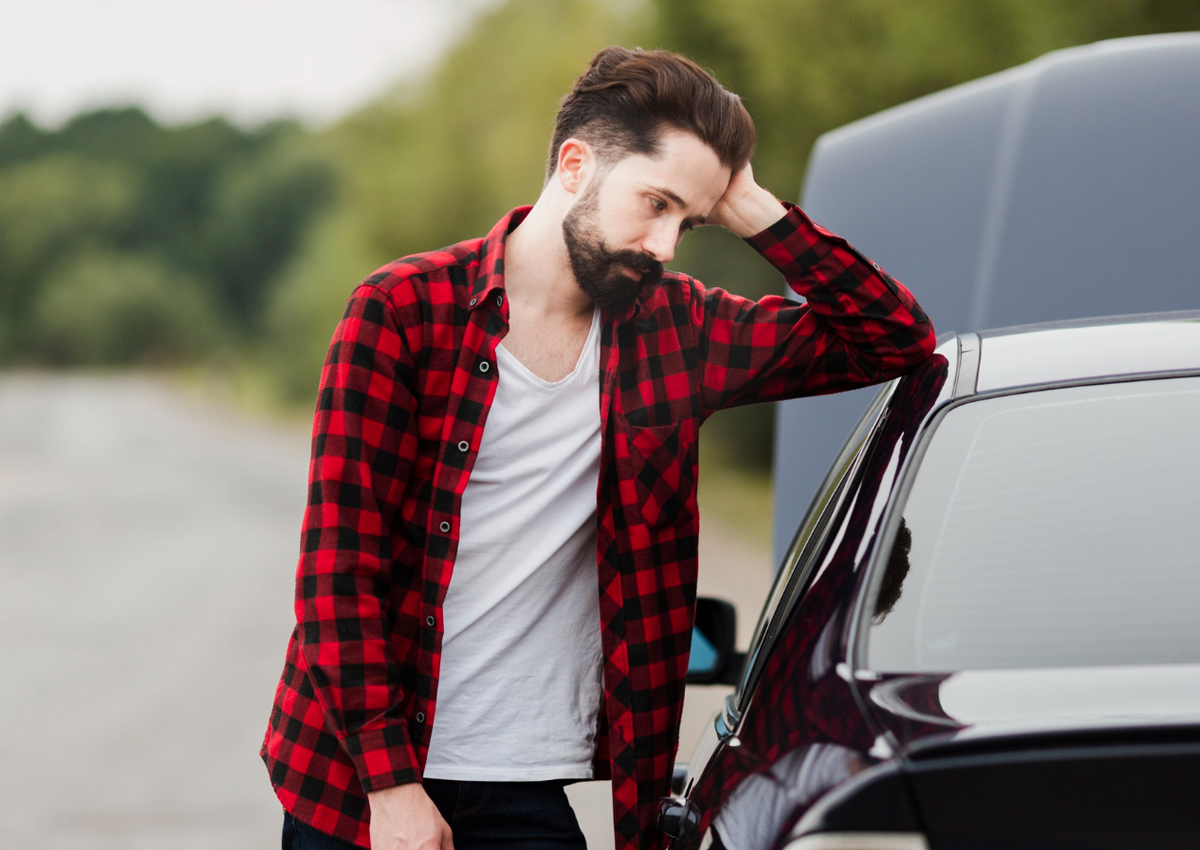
{"points": [[746, 208], [364, 445], [858, 327]]}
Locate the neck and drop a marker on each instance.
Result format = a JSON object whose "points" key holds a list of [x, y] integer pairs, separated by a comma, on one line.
{"points": [[537, 271]]}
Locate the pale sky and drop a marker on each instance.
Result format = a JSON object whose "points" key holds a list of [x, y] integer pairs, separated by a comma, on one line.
{"points": [[251, 60]]}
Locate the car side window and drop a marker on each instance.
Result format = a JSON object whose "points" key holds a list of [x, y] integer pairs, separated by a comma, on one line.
{"points": [[796, 570], [1065, 510]]}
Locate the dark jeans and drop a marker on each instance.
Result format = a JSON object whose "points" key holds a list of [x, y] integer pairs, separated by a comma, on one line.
{"points": [[482, 815]]}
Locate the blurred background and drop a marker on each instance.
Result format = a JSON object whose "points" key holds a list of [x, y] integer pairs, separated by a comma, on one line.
{"points": [[188, 193]]}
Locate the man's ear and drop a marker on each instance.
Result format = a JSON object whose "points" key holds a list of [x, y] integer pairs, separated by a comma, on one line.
{"points": [[576, 164]]}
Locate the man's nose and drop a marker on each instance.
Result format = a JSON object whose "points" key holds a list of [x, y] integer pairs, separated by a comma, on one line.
{"points": [[660, 244]]}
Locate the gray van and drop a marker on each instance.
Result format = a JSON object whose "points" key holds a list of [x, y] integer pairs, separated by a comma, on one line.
{"points": [[1065, 188]]}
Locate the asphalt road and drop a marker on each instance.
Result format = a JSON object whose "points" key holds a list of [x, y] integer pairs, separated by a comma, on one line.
{"points": [[147, 546]]}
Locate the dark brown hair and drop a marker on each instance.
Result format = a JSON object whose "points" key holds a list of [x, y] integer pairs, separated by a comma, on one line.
{"points": [[626, 98]]}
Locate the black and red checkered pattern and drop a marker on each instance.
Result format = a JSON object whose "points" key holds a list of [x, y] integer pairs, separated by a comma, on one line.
{"points": [[404, 399]]}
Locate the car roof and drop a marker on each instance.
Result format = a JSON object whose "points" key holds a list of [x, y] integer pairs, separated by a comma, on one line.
{"points": [[1088, 349]]}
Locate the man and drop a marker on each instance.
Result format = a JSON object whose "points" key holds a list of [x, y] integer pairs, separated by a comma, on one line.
{"points": [[498, 571]]}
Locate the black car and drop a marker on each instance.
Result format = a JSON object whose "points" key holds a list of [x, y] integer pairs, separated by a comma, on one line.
{"points": [[986, 632]]}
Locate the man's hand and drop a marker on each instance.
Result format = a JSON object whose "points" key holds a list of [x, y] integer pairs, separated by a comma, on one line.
{"points": [[404, 818], [746, 208]]}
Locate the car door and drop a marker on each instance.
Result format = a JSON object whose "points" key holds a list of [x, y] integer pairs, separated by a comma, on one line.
{"points": [[790, 583]]}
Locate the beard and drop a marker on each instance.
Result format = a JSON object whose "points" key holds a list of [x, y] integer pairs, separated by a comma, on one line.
{"points": [[600, 272]]}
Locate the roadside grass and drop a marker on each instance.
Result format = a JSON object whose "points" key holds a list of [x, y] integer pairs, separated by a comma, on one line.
{"points": [[245, 386], [735, 496]]}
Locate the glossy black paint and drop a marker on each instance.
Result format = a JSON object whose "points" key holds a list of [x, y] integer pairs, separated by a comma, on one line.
{"points": [[876, 800], [1085, 798], [803, 728]]}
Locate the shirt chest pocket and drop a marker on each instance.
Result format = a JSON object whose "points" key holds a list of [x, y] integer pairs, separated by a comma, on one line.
{"points": [[661, 465]]}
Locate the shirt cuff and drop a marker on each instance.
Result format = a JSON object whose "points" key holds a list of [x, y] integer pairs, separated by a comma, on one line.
{"points": [[383, 757], [795, 243]]}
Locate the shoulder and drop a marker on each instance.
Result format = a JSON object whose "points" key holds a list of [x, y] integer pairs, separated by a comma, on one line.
{"points": [[418, 281], [679, 295], [675, 290], [413, 299], [408, 278]]}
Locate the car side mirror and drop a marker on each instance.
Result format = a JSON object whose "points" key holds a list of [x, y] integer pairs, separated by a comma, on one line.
{"points": [[714, 659]]}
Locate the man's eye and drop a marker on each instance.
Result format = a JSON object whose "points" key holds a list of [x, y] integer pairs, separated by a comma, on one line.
{"points": [[658, 204]]}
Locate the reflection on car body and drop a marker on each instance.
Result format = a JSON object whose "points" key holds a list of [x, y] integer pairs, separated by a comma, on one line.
{"points": [[984, 634]]}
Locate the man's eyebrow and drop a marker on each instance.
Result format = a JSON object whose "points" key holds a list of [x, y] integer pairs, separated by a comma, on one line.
{"points": [[671, 196]]}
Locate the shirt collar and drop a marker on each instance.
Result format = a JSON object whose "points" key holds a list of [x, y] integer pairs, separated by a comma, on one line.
{"points": [[490, 281]]}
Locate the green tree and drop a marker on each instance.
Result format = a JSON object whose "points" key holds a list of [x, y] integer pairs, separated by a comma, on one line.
{"points": [[223, 206], [106, 308], [46, 206], [260, 209]]}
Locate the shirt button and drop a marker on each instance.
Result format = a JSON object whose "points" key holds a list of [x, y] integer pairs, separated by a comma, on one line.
{"points": [[420, 717], [473, 300], [445, 527], [429, 621], [499, 300], [464, 446], [484, 366]]}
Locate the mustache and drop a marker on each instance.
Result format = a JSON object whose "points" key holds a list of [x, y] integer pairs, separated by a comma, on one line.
{"points": [[650, 268]]}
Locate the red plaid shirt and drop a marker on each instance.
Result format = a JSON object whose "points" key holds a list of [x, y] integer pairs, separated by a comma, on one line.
{"points": [[404, 398]]}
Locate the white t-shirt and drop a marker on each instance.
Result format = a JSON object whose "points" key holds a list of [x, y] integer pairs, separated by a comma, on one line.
{"points": [[520, 680]]}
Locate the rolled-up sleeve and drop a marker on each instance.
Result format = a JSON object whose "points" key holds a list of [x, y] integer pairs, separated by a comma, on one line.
{"points": [[857, 327]]}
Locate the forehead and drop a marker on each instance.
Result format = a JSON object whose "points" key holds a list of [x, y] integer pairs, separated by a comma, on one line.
{"points": [[683, 165]]}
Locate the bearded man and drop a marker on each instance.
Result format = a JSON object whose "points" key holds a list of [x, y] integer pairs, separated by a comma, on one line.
{"points": [[498, 573]]}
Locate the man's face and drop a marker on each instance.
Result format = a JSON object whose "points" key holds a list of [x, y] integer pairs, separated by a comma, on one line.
{"points": [[627, 222]]}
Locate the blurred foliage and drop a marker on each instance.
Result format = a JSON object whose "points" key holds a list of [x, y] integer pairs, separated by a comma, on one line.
{"points": [[103, 307], [122, 241], [47, 205], [201, 218]]}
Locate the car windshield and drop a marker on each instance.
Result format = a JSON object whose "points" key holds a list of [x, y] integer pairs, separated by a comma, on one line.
{"points": [[1049, 529]]}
